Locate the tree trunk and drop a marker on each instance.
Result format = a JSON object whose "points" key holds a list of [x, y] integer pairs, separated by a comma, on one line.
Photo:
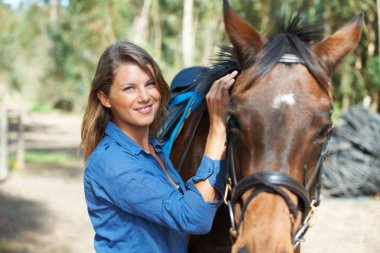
{"points": [[157, 29], [21, 140], [140, 25], [109, 23], [54, 11], [376, 95], [187, 33], [213, 27], [3, 143], [346, 90], [375, 101], [378, 33]]}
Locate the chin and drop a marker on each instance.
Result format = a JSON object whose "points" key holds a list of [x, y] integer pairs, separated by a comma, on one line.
{"points": [[147, 122]]}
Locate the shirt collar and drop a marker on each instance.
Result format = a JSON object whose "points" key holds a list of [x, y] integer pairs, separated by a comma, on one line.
{"points": [[125, 141]]}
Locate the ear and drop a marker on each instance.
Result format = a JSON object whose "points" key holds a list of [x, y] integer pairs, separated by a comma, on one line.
{"points": [[103, 98], [333, 48], [246, 40]]}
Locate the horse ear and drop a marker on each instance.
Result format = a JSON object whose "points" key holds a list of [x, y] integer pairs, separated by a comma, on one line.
{"points": [[244, 37], [333, 48]]}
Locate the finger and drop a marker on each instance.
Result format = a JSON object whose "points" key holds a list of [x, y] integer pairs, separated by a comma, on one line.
{"points": [[233, 74], [214, 88], [219, 87], [222, 83], [229, 84], [230, 76], [226, 88], [227, 78], [212, 92]]}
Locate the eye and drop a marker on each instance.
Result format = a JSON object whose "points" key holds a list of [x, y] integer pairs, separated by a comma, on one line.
{"points": [[233, 122], [151, 84], [128, 88], [324, 132]]}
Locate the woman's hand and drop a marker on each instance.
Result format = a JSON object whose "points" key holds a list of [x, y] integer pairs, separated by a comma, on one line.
{"points": [[218, 100]]}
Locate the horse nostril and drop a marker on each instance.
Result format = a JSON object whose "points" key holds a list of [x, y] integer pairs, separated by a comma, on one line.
{"points": [[243, 250]]}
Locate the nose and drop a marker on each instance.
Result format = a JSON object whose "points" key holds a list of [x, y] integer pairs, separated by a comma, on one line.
{"points": [[143, 95], [243, 250]]}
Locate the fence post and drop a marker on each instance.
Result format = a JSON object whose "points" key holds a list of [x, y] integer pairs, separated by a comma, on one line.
{"points": [[3, 143], [20, 141]]}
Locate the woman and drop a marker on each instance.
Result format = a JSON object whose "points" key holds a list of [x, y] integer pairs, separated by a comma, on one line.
{"points": [[136, 200]]}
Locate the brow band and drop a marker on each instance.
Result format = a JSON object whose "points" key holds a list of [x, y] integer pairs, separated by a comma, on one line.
{"points": [[290, 58]]}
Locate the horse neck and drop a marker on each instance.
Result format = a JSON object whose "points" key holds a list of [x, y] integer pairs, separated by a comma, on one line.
{"points": [[189, 146]]}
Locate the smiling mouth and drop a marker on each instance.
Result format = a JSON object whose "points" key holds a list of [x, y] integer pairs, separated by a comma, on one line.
{"points": [[145, 110]]}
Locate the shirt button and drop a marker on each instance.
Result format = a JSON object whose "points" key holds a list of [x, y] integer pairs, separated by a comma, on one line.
{"points": [[167, 204]]}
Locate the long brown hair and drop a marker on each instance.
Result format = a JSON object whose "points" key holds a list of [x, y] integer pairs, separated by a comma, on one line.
{"points": [[97, 116]]}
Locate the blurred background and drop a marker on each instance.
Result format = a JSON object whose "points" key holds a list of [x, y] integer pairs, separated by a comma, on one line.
{"points": [[48, 54]]}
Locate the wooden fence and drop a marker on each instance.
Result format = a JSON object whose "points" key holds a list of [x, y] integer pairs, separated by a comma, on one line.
{"points": [[12, 139]]}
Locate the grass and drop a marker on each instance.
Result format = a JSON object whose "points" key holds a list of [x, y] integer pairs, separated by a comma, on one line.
{"points": [[41, 107], [60, 159]]}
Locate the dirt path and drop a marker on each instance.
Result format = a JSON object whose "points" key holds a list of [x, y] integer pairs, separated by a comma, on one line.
{"points": [[345, 226], [42, 210]]}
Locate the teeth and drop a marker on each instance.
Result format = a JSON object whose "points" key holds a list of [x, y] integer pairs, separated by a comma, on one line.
{"points": [[145, 109]]}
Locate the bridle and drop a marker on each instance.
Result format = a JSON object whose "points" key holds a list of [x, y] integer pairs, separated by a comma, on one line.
{"points": [[272, 182]]}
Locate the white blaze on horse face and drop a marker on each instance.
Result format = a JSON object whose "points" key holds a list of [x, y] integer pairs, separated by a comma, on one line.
{"points": [[283, 99]]}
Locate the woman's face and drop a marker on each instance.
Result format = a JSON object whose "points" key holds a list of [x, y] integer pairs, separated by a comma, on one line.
{"points": [[134, 98]]}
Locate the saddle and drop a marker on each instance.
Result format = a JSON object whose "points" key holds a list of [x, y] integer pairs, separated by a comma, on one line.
{"points": [[183, 101]]}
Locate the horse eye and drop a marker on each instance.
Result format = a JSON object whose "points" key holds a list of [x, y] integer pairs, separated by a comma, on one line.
{"points": [[233, 122], [323, 132]]}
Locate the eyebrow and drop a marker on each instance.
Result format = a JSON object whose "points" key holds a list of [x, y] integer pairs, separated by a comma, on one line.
{"points": [[148, 81]]}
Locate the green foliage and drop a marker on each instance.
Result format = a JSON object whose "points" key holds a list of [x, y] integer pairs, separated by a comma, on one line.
{"points": [[52, 59]]}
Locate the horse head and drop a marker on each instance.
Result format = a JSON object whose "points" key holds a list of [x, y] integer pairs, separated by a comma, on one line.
{"points": [[280, 119]]}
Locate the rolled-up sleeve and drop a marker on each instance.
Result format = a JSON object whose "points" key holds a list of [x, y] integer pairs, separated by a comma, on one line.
{"points": [[213, 170]]}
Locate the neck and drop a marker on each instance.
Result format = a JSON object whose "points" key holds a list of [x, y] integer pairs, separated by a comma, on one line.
{"points": [[139, 135]]}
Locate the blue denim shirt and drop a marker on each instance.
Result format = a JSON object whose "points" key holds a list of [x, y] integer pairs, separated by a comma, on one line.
{"points": [[132, 204]]}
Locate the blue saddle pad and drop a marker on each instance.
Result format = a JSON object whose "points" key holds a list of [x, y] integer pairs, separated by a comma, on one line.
{"points": [[186, 77], [184, 99]]}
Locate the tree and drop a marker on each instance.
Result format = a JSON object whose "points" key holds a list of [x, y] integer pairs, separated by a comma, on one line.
{"points": [[187, 32], [56, 46]]}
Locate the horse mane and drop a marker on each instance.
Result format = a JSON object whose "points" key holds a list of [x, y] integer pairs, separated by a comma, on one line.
{"points": [[292, 36], [224, 63]]}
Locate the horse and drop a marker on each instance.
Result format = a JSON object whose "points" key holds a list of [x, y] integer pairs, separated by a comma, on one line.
{"points": [[279, 121]]}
